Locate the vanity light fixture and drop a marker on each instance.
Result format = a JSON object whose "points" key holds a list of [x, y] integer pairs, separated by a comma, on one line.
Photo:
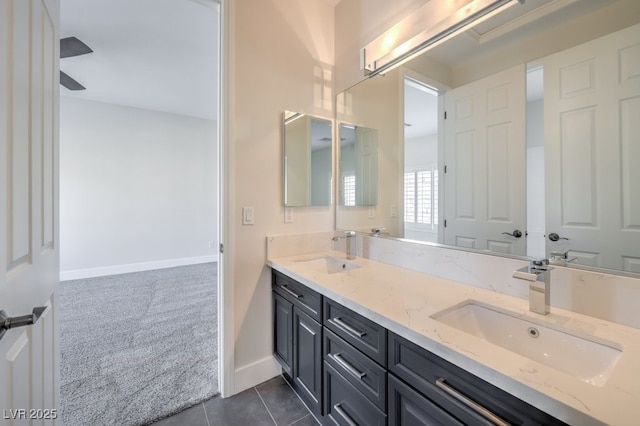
{"points": [[442, 19]]}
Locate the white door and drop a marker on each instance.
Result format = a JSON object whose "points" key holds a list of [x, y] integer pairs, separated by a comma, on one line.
{"points": [[28, 208], [484, 154], [592, 151]]}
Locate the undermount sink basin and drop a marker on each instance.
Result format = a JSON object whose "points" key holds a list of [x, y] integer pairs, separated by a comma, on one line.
{"points": [[588, 358], [330, 264]]}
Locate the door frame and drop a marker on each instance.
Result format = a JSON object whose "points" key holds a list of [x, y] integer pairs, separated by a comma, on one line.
{"points": [[226, 329]]}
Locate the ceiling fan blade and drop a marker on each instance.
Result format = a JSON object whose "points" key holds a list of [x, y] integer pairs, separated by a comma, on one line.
{"points": [[71, 46], [69, 82]]}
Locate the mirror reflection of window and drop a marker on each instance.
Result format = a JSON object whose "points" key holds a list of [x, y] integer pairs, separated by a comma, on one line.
{"points": [[421, 198], [349, 185]]}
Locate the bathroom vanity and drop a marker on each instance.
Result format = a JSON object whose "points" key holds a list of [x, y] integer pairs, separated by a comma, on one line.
{"points": [[364, 342]]}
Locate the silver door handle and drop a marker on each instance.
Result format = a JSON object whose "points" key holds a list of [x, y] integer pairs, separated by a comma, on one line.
{"points": [[516, 234], [346, 327], [288, 290], [555, 237], [350, 368], [347, 418], [7, 322], [493, 418]]}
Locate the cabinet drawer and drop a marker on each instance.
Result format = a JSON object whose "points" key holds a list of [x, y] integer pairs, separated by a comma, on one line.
{"points": [[344, 405], [367, 336], [367, 376], [298, 294], [429, 374], [408, 407]]}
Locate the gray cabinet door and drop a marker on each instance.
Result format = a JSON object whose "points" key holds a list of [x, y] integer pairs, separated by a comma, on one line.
{"points": [[283, 332], [307, 359]]}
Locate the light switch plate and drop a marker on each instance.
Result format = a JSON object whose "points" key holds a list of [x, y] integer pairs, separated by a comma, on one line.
{"points": [[288, 215], [247, 215]]}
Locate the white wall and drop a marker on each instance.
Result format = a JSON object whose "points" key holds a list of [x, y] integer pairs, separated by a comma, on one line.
{"points": [[280, 57], [137, 189]]}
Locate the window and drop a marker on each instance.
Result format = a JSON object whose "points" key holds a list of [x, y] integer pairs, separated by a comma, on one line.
{"points": [[349, 185], [421, 197]]}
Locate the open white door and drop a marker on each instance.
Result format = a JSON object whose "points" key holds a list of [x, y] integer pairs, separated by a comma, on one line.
{"points": [[592, 119], [484, 154], [28, 209]]}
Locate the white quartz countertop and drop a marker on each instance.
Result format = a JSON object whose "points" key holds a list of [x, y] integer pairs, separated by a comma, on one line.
{"points": [[403, 301]]}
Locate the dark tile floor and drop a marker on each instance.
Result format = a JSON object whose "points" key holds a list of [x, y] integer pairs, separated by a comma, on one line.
{"points": [[270, 403]]}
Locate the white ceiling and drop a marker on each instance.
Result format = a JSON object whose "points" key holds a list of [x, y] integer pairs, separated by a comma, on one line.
{"points": [[152, 54]]}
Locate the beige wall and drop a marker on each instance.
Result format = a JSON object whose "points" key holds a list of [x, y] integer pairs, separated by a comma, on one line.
{"points": [[280, 57]]}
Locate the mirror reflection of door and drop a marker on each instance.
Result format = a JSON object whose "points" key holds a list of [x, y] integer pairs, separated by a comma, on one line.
{"points": [[485, 161], [420, 203], [592, 111]]}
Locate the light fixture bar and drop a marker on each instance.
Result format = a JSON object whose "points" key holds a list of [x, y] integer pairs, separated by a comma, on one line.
{"points": [[443, 19]]}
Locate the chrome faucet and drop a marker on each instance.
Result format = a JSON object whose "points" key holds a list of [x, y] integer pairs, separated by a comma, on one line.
{"points": [[561, 257], [539, 276], [350, 237]]}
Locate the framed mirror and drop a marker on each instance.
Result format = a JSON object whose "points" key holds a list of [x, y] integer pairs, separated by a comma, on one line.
{"points": [[518, 137], [307, 160]]}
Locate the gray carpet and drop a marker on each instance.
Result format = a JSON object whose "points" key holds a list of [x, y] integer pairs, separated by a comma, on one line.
{"points": [[137, 347]]}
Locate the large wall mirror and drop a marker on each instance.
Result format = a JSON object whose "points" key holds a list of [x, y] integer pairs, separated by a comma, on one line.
{"points": [[520, 136], [307, 160]]}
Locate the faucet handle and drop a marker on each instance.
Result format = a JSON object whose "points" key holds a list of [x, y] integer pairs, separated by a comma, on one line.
{"points": [[540, 264], [348, 234], [378, 231]]}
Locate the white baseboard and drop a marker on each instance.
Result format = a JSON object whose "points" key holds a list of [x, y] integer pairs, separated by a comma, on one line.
{"points": [[256, 373], [134, 267]]}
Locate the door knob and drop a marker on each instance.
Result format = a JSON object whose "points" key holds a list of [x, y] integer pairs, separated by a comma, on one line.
{"points": [[555, 237], [7, 322], [516, 234]]}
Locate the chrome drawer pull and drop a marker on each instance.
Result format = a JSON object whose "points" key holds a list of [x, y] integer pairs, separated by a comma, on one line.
{"points": [[470, 403], [350, 368], [294, 294], [348, 328], [347, 418]]}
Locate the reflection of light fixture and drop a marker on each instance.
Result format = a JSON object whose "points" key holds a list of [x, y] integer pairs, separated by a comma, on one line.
{"points": [[291, 116], [442, 19]]}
